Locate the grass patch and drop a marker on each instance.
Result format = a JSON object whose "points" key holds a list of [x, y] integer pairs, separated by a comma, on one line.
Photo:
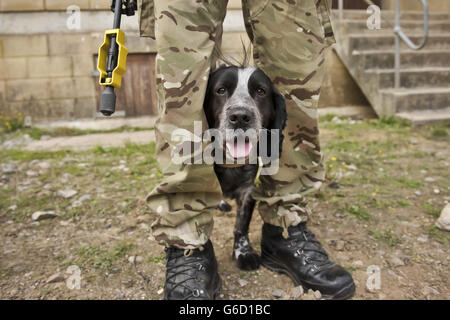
{"points": [[391, 121], [11, 123], [130, 149], [157, 259], [4, 274], [406, 183], [440, 236], [431, 210], [21, 155], [37, 133], [385, 236], [402, 203], [357, 212], [94, 257], [439, 133]]}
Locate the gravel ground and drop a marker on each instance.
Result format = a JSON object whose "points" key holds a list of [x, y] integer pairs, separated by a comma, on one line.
{"points": [[375, 214]]}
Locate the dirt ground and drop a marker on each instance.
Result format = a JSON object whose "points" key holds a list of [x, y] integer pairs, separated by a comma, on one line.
{"points": [[385, 187]]}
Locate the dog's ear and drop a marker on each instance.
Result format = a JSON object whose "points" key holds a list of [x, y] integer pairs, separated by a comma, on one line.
{"points": [[279, 120]]}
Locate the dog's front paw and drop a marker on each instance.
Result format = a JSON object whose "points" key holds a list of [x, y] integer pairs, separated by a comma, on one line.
{"points": [[224, 206], [246, 258], [248, 261]]}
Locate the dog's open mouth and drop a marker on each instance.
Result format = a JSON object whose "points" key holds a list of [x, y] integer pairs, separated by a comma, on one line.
{"points": [[239, 148]]}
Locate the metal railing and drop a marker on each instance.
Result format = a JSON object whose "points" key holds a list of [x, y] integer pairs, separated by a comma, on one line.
{"points": [[399, 34]]}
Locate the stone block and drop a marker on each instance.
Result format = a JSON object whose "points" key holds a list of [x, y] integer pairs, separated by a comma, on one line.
{"points": [[61, 88], [84, 87], [21, 5], [13, 68], [23, 46], [27, 90], [64, 4], [83, 65], [100, 4], [84, 108], [2, 95], [46, 67], [69, 44]]}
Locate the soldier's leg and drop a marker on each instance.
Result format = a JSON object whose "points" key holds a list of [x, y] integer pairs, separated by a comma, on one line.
{"points": [[186, 32], [289, 41]]}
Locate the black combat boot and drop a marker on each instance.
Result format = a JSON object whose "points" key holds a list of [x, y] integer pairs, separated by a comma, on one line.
{"points": [[191, 274], [304, 260]]}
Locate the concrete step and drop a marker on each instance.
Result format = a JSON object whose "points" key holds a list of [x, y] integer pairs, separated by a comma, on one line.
{"points": [[234, 21], [416, 99], [411, 26], [232, 42], [418, 118], [384, 40], [425, 77], [390, 15], [383, 59]]}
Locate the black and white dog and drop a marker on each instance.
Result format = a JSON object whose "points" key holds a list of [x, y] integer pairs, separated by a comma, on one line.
{"points": [[242, 98]]}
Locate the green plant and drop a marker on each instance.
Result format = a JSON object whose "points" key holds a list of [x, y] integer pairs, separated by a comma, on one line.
{"points": [[439, 133], [11, 123], [430, 209], [386, 236], [357, 212], [156, 259]]}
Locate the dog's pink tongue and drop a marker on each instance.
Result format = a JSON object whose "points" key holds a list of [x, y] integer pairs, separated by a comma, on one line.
{"points": [[239, 150]]}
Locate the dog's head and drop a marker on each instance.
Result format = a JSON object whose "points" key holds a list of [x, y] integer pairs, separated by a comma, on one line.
{"points": [[245, 99]]}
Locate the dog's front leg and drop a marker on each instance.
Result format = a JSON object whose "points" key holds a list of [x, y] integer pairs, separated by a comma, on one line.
{"points": [[246, 257]]}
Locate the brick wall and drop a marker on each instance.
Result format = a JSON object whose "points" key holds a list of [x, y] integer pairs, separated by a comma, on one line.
{"points": [[40, 5], [47, 74], [45, 69]]}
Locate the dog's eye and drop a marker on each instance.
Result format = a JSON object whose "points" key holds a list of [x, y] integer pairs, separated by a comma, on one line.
{"points": [[221, 90], [260, 91]]}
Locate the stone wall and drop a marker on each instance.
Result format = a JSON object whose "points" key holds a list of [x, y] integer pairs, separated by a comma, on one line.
{"points": [[46, 69], [41, 5]]}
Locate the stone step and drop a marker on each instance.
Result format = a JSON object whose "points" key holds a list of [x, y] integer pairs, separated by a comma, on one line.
{"points": [[390, 15], [234, 21], [364, 41], [416, 99], [425, 77], [383, 59], [418, 118], [232, 42], [411, 26]]}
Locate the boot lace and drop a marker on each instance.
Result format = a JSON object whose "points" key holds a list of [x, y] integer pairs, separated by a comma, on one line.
{"points": [[188, 267], [305, 244]]}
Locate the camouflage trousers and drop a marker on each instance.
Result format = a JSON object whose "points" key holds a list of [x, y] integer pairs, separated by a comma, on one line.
{"points": [[289, 38]]}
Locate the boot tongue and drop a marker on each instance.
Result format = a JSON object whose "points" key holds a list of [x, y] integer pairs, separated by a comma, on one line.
{"points": [[239, 149], [313, 248]]}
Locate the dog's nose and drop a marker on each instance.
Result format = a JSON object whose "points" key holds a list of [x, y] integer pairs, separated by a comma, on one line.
{"points": [[240, 117]]}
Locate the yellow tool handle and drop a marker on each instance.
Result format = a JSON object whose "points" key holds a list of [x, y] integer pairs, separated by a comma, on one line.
{"points": [[115, 78]]}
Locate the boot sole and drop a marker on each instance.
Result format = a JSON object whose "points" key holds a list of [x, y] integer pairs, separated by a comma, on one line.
{"points": [[273, 265]]}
